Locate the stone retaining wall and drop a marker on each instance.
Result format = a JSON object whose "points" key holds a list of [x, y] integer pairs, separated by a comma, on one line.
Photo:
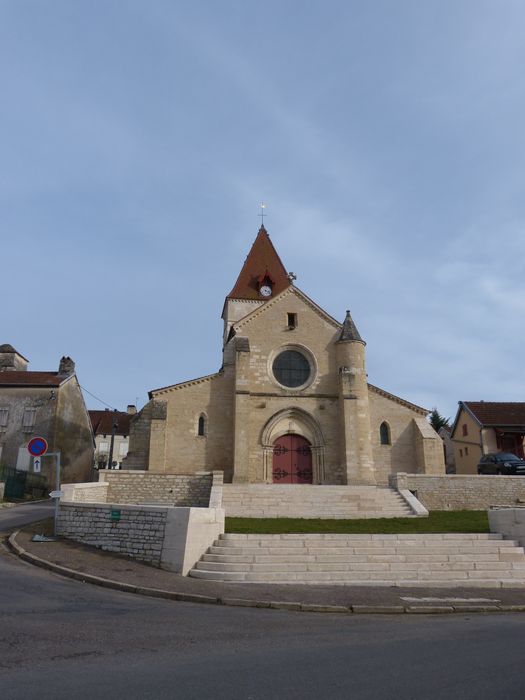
{"points": [[171, 538], [138, 533], [148, 488], [462, 491]]}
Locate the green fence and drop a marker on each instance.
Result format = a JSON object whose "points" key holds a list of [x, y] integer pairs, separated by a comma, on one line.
{"points": [[20, 485]]}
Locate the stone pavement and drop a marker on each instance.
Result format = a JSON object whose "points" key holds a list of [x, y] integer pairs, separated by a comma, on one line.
{"points": [[102, 568]]}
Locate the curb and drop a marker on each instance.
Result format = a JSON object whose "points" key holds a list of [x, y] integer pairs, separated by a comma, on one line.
{"points": [[248, 603]]}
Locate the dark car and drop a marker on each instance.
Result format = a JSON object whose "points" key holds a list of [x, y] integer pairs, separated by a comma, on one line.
{"points": [[501, 463]]}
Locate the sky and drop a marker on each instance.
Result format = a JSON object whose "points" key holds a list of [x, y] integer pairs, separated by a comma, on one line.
{"points": [[138, 139]]}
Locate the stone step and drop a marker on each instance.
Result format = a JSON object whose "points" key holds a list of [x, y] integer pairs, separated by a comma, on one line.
{"points": [[333, 558], [429, 579], [466, 548], [390, 566], [456, 559], [482, 536], [308, 501]]}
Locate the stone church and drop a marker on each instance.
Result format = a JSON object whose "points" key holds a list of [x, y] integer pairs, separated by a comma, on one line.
{"points": [[291, 403]]}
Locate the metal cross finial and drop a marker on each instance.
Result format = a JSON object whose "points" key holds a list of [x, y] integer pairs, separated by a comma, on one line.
{"points": [[263, 207]]}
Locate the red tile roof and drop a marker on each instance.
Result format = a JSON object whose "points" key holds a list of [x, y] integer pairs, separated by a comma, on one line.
{"points": [[497, 412], [102, 422], [262, 260], [21, 378]]}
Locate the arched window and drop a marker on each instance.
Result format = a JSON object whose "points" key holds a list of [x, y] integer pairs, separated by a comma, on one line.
{"points": [[384, 433], [201, 428]]}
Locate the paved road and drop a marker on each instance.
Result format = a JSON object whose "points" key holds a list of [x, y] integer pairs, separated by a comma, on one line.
{"points": [[64, 639], [11, 518]]}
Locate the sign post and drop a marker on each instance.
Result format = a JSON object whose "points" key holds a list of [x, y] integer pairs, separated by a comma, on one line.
{"points": [[57, 492], [37, 447]]}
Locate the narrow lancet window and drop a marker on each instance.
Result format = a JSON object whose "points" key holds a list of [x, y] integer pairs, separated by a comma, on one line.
{"points": [[201, 429], [384, 433]]}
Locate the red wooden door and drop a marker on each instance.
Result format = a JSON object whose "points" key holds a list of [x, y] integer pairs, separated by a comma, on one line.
{"points": [[292, 460]]}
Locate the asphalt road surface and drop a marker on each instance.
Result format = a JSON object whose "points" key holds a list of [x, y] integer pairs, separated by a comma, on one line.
{"points": [[64, 639]]}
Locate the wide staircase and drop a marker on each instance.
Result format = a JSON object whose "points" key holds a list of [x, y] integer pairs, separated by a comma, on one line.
{"points": [[307, 501], [469, 560]]}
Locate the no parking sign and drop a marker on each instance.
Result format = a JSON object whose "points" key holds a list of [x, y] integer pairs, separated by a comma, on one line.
{"points": [[37, 446]]}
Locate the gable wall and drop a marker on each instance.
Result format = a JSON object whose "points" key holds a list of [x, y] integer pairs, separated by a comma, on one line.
{"points": [[267, 334], [268, 331], [185, 451], [466, 463], [400, 456]]}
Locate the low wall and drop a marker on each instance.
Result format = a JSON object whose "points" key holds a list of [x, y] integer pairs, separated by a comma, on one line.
{"points": [[509, 522], [90, 492], [171, 538], [170, 489], [462, 491]]}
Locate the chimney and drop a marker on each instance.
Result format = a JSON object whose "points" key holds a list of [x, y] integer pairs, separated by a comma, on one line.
{"points": [[131, 409], [66, 366]]}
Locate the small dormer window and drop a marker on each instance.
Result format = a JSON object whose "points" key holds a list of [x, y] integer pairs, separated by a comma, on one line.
{"points": [[292, 321]]}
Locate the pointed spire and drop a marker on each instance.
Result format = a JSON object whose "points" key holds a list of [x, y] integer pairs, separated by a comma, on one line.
{"points": [[349, 330], [262, 264]]}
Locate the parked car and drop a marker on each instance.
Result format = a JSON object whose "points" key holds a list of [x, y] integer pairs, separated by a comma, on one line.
{"points": [[501, 463]]}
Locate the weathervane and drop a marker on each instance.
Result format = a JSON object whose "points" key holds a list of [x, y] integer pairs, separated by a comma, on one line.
{"points": [[263, 207]]}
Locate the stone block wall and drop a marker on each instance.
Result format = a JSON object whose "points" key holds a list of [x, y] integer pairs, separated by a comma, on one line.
{"points": [[91, 492], [462, 492], [139, 533], [509, 522], [146, 487]]}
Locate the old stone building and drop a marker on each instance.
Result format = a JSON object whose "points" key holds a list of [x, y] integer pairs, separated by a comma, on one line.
{"points": [[291, 402], [107, 424], [48, 404]]}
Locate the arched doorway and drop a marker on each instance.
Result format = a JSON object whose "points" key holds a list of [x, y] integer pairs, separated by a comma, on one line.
{"points": [[292, 460]]}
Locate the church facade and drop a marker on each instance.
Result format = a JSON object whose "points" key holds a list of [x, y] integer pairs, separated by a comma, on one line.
{"points": [[291, 402]]}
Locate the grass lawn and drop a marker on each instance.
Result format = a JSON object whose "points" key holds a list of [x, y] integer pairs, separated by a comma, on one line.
{"points": [[437, 521]]}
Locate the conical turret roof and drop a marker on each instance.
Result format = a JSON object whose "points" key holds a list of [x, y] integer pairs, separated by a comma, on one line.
{"points": [[262, 263], [349, 330]]}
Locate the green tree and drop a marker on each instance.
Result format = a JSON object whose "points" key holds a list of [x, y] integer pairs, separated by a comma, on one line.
{"points": [[438, 421]]}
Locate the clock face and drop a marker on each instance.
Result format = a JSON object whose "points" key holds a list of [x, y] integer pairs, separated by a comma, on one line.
{"points": [[265, 291]]}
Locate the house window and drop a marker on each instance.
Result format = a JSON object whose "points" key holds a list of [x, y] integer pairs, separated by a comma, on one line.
{"points": [[292, 321], [4, 415], [29, 418], [466, 451], [384, 433], [465, 429], [461, 453], [103, 447], [201, 428], [123, 449]]}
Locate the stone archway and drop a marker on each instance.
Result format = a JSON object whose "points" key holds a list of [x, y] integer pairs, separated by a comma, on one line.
{"points": [[293, 421]]}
